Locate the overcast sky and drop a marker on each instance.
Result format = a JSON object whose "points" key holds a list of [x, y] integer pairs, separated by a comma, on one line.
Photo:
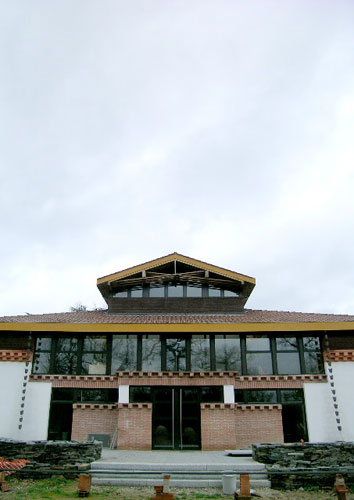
{"points": [[220, 129]]}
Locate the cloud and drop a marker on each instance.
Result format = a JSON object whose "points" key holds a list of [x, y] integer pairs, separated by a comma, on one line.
{"points": [[220, 130]]}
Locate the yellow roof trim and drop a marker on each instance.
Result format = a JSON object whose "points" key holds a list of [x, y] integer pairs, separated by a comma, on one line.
{"points": [[181, 258], [180, 327]]}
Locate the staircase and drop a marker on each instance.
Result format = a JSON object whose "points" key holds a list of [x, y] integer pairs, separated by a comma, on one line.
{"points": [[193, 472]]}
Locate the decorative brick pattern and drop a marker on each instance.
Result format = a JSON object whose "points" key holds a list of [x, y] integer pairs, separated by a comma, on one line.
{"points": [[134, 426], [78, 381], [15, 355], [335, 356], [228, 426], [93, 419], [177, 378]]}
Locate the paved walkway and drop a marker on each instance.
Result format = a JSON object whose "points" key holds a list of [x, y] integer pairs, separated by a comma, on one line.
{"points": [[172, 457]]}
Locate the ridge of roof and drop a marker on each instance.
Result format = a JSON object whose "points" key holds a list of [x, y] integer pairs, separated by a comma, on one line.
{"points": [[249, 315]]}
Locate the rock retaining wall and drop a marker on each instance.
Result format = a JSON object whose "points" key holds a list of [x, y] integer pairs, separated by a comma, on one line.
{"points": [[47, 458], [293, 465]]}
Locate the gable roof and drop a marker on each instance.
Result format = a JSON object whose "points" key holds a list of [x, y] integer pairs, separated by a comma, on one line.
{"points": [[180, 258]]}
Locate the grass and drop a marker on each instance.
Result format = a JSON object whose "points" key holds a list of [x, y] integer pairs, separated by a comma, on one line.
{"points": [[60, 488]]}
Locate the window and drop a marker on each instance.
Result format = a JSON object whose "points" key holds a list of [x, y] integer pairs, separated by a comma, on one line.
{"points": [[151, 353], [124, 353], [94, 355], [227, 353], [312, 355], [288, 360], [42, 357], [66, 355], [246, 354], [200, 353], [258, 356]]}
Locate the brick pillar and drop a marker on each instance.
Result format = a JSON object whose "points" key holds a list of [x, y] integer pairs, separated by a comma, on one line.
{"points": [[134, 426], [218, 426], [93, 419], [258, 424]]}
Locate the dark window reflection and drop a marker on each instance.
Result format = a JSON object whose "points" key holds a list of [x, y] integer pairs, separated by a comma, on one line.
{"points": [[176, 354], [288, 363], [259, 363], [41, 362], [286, 344], [257, 343], [140, 394], [262, 396], [124, 353], [151, 353], [200, 353], [227, 353]]}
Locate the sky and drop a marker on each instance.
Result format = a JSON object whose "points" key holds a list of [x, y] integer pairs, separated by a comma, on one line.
{"points": [[220, 129]]}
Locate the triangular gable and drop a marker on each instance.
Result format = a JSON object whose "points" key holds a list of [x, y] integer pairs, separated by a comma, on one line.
{"points": [[148, 266]]}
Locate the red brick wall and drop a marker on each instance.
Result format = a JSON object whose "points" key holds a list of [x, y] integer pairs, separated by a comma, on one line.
{"points": [[231, 426], [258, 424], [90, 420], [218, 426], [134, 426]]}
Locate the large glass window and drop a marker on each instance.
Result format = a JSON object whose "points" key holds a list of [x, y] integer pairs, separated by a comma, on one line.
{"points": [[194, 291], [42, 357], [66, 355], [200, 353], [312, 355], [176, 354], [151, 353], [288, 359], [94, 355], [175, 290], [227, 353], [258, 356], [124, 353]]}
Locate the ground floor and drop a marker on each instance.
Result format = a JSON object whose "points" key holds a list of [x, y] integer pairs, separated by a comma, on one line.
{"points": [[177, 410]]}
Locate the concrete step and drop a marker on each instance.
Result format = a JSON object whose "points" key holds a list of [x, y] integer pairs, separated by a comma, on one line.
{"points": [[175, 474], [174, 483], [246, 466]]}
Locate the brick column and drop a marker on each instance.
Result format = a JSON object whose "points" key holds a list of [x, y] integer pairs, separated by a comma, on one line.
{"points": [[93, 419], [258, 424], [218, 426], [134, 426]]}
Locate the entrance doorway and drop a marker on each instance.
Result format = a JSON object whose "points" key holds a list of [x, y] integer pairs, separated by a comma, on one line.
{"points": [[176, 418]]}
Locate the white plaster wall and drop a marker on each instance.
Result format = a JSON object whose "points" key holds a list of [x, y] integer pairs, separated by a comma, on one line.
{"points": [[229, 394], [36, 416], [343, 373], [37, 403], [321, 423], [11, 380], [123, 394]]}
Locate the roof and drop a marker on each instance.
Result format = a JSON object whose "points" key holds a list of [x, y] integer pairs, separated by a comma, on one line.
{"points": [[250, 320], [170, 258]]}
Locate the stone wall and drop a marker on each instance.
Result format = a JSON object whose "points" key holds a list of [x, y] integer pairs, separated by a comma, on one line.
{"points": [[47, 458], [293, 465]]}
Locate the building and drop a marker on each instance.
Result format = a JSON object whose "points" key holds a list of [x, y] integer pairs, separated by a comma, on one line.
{"points": [[177, 362]]}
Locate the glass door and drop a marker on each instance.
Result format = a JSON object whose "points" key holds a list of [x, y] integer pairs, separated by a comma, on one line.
{"points": [[176, 418]]}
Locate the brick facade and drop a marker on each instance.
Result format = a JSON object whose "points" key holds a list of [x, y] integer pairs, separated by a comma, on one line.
{"points": [[231, 426], [258, 424], [93, 419], [134, 426]]}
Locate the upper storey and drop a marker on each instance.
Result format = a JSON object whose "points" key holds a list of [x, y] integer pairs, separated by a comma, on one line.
{"points": [[176, 284]]}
